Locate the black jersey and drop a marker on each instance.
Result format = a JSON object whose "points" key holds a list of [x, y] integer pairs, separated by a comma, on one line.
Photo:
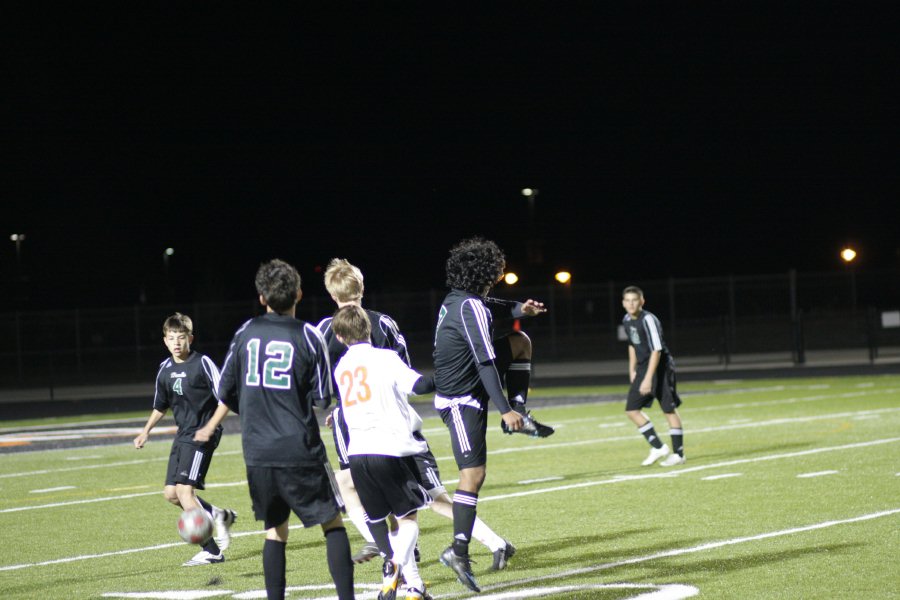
{"points": [[188, 388], [385, 334], [462, 341], [645, 335], [276, 369]]}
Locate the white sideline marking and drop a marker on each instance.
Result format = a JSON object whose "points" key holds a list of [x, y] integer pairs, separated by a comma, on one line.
{"points": [[82, 457], [670, 591], [54, 489], [682, 471], [816, 474], [121, 463], [80, 434], [541, 480], [722, 476], [104, 499], [690, 550]]}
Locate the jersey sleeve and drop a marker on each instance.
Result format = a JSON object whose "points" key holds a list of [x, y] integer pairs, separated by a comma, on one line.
{"points": [[320, 384], [393, 338], [161, 400], [404, 376], [211, 371], [654, 332], [227, 389], [476, 321]]}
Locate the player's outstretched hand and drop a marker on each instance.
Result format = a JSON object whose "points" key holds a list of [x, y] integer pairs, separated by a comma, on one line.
{"points": [[533, 307], [513, 420], [140, 440]]}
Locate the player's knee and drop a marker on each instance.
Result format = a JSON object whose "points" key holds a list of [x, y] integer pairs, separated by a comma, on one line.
{"points": [[520, 344], [170, 495]]}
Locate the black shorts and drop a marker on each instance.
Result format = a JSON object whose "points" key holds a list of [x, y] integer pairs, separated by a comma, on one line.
{"points": [[387, 485], [310, 491], [664, 389], [468, 429], [429, 475], [188, 464]]}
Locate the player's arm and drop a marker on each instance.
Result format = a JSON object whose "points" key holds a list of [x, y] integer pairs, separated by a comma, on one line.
{"points": [[321, 390], [632, 364], [207, 431], [155, 417], [423, 385], [647, 382], [394, 339], [226, 390]]}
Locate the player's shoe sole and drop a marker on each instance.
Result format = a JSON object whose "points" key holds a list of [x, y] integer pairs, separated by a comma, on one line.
{"points": [[462, 566], [655, 455], [224, 519], [204, 558], [366, 553]]}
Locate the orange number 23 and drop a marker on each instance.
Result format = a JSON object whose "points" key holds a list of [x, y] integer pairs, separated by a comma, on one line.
{"points": [[354, 387]]}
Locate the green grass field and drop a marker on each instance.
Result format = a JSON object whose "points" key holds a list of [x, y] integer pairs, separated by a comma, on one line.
{"points": [[791, 490]]}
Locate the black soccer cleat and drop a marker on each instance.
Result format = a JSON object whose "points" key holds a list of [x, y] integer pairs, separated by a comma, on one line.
{"points": [[529, 427], [462, 566], [502, 556]]}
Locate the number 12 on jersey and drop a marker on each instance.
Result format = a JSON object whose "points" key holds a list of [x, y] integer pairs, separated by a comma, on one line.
{"points": [[276, 368], [353, 386]]}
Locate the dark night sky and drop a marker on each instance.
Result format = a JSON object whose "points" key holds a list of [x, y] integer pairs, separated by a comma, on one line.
{"points": [[669, 139]]}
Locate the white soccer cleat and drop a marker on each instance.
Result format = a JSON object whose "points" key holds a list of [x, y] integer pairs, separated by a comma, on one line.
{"points": [[224, 519], [672, 460], [655, 455], [204, 558]]}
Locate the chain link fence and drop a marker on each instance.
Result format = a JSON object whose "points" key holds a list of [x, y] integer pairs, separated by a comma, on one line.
{"points": [[718, 320]]}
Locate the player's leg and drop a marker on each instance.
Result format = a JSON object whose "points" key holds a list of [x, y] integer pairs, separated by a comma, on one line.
{"points": [[669, 401], [468, 428], [634, 406], [187, 470], [513, 363]]}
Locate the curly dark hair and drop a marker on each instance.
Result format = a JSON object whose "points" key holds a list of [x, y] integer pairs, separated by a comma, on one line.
{"points": [[475, 265], [278, 283]]}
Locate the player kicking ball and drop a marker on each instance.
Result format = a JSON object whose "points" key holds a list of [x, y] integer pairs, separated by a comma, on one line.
{"points": [[186, 383]]}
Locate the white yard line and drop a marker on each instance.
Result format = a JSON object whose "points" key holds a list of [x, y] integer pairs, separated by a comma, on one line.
{"points": [[53, 489], [722, 476], [816, 474]]}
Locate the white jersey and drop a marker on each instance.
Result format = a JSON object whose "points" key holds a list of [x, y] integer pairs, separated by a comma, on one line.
{"points": [[374, 384]]}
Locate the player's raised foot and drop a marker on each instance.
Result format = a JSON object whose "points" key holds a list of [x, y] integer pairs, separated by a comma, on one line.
{"points": [[224, 518], [673, 460], [530, 427], [390, 579], [204, 558], [462, 566], [366, 553], [417, 594], [655, 455], [502, 556]]}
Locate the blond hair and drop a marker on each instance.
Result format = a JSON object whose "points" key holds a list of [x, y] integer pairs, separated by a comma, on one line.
{"points": [[344, 281]]}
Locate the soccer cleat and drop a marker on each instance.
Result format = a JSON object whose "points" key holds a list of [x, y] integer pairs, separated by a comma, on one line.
{"points": [[529, 427], [390, 579], [672, 460], [204, 558], [416, 554], [655, 455], [462, 566], [502, 556], [224, 519], [366, 553], [417, 594]]}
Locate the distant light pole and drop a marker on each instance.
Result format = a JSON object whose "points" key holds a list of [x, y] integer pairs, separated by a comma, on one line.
{"points": [[167, 253], [18, 238], [848, 255], [535, 254]]}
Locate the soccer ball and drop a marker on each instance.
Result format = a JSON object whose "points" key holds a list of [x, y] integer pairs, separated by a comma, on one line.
{"points": [[195, 526]]}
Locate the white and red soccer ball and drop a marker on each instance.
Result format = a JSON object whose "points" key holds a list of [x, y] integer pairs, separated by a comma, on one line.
{"points": [[195, 526]]}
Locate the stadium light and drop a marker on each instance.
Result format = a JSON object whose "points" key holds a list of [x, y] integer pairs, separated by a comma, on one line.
{"points": [[18, 238], [511, 278], [563, 277], [529, 192], [848, 255]]}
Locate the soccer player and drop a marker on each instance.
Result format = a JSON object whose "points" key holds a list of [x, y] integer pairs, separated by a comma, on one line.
{"points": [[345, 284], [466, 379], [276, 369], [374, 384], [651, 370], [186, 383]]}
